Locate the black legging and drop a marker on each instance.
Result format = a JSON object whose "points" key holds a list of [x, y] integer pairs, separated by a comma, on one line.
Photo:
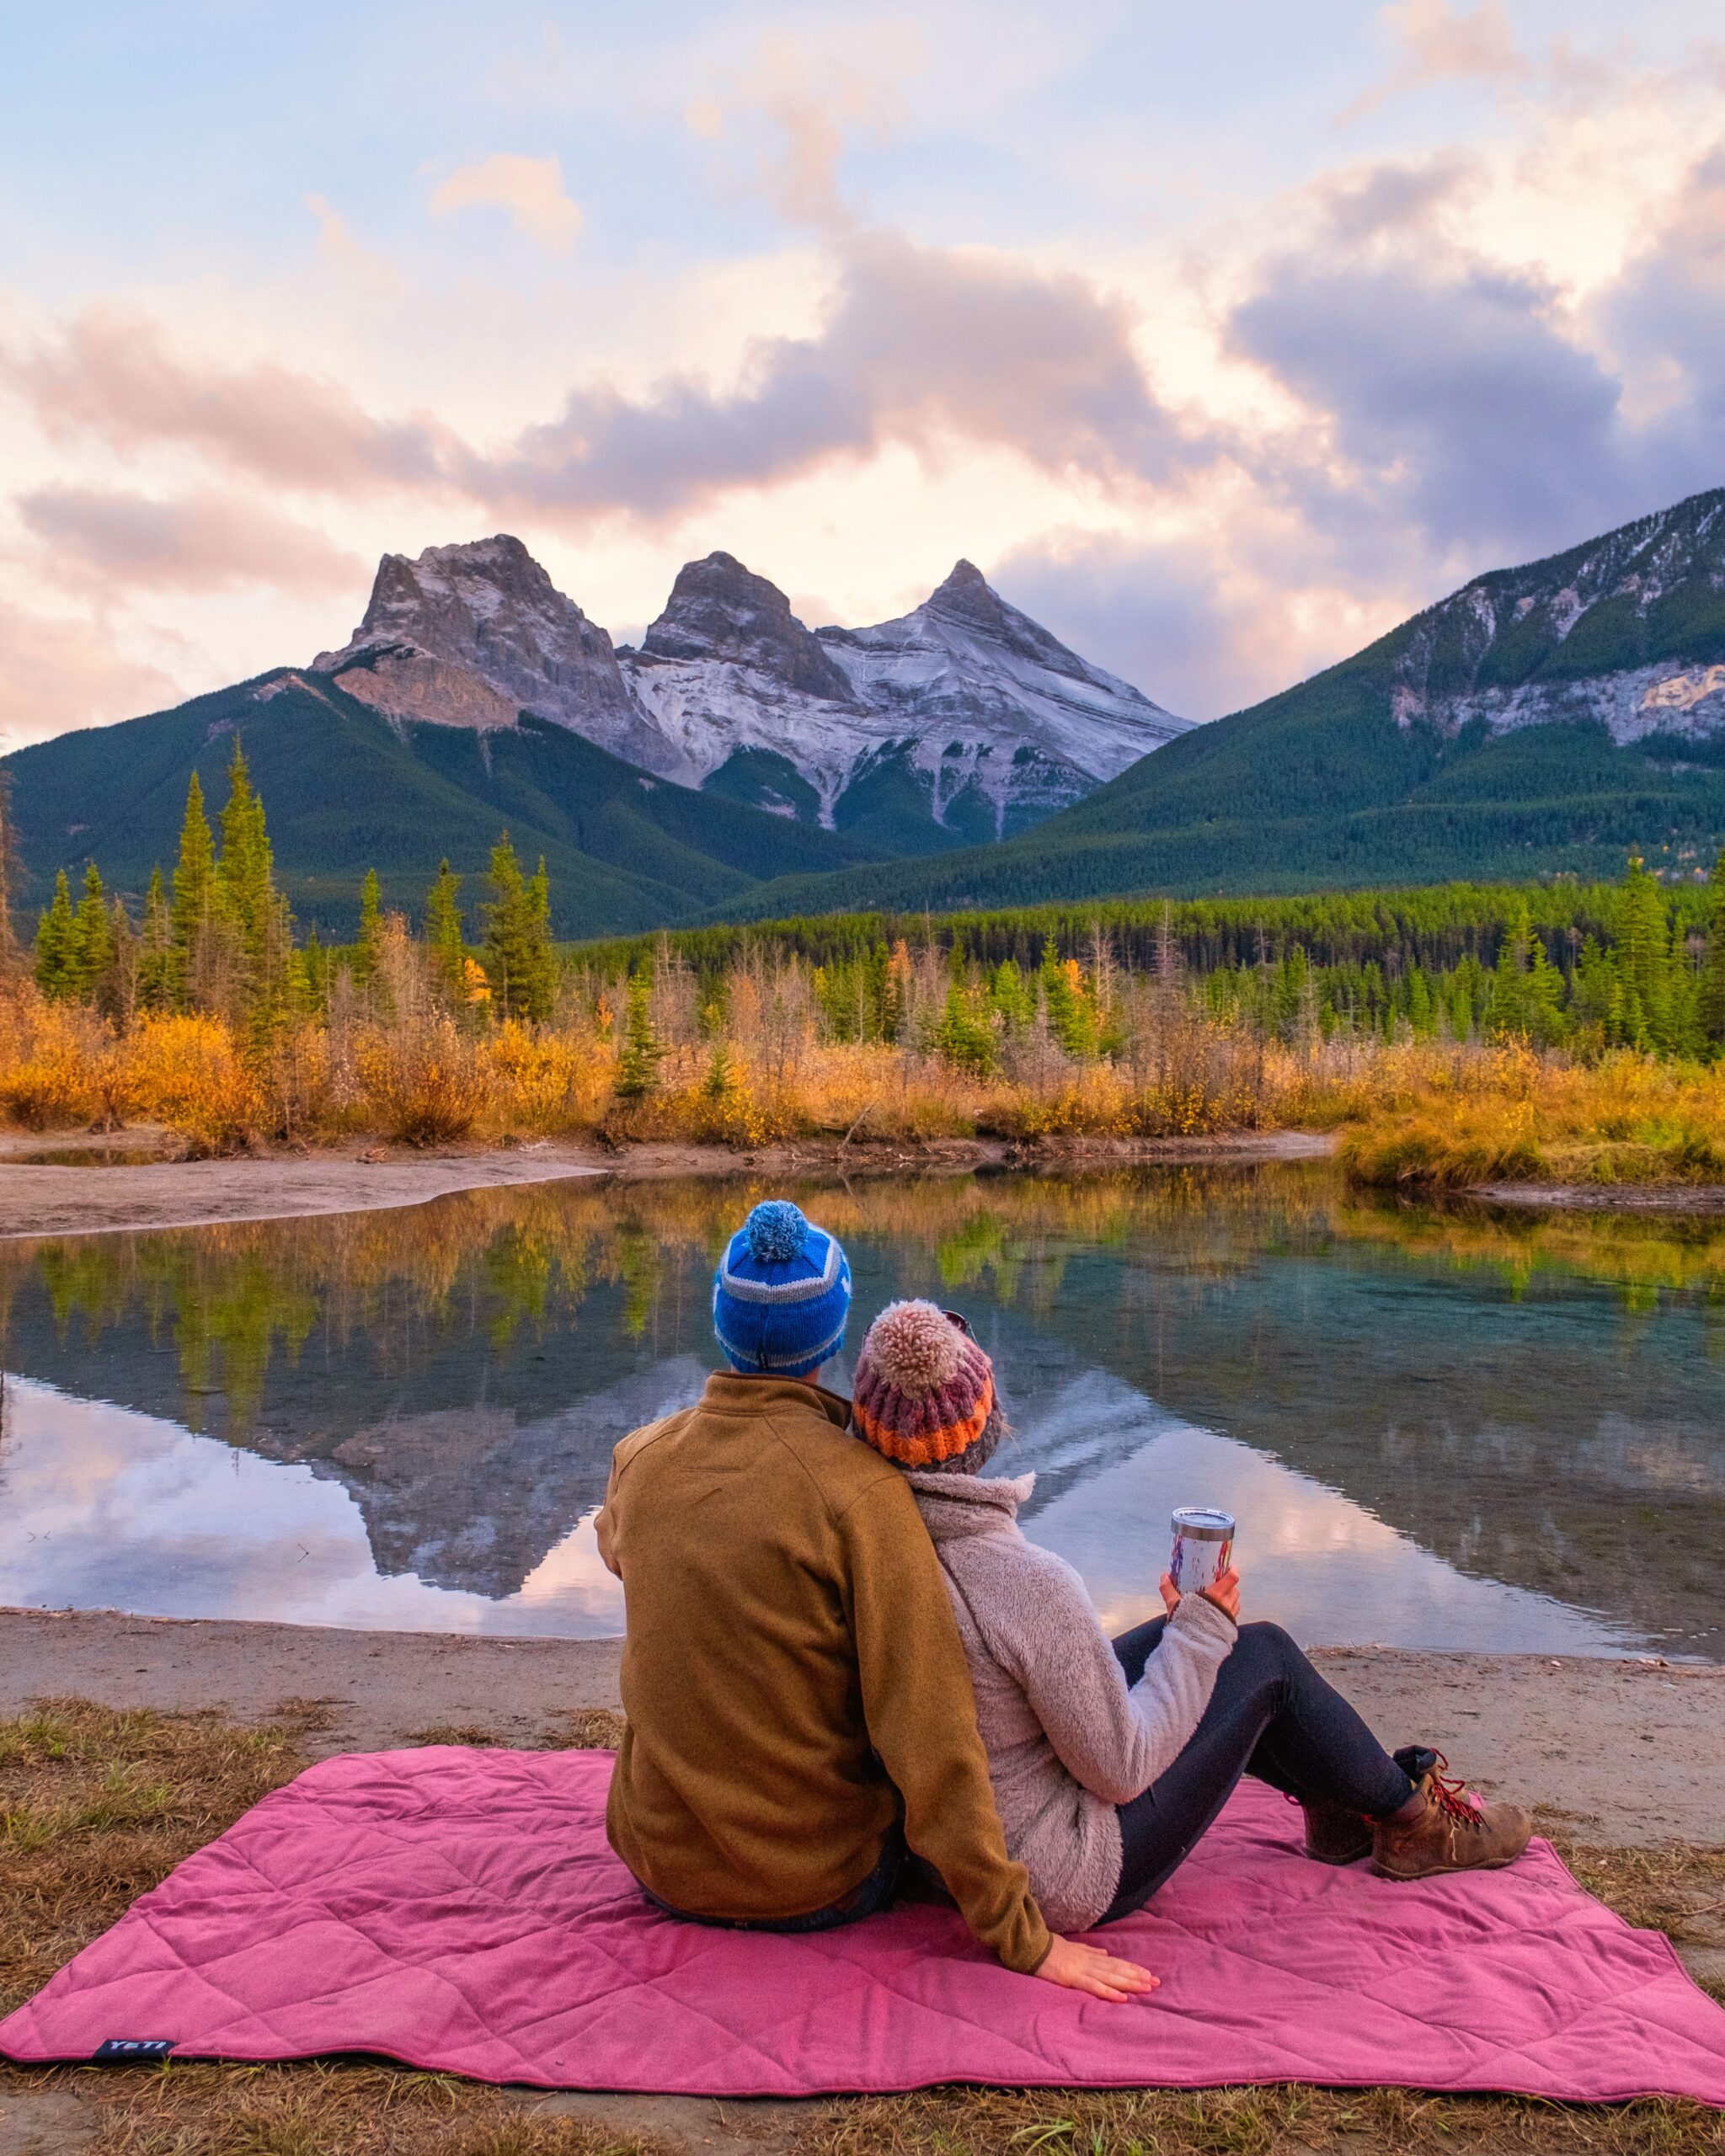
{"points": [[1271, 1715]]}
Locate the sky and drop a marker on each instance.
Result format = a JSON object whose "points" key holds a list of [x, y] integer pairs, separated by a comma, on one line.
{"points": [[1220, 339]]}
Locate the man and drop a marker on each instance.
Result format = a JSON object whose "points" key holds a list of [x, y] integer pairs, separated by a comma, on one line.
{"points": [[799, 1708]]}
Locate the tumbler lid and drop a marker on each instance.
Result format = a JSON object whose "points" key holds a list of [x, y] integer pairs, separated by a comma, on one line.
{"points": [[1203, 1522]]}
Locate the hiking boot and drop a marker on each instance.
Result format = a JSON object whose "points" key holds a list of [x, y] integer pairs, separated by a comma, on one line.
{"points": [[1333, 1833], [1454, 1830]]}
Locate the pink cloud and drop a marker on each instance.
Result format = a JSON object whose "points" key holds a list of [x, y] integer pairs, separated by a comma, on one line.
{"points": [[204, 542], [57, 673], [529, 190], [112, 376]]}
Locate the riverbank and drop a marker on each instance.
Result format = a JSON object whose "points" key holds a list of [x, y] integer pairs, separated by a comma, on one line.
{"points": [[1630, 1753], [62, 1200]]}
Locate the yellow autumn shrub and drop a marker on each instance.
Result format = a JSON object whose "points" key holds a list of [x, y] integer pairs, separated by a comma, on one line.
{"points": [[190, 1073]]}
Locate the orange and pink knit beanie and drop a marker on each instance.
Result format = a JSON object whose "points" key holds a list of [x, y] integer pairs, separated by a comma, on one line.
{"points": [[924, 1394]]}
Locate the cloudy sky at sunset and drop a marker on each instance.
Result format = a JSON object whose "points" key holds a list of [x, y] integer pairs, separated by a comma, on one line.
{"points": [[1220, 337]]}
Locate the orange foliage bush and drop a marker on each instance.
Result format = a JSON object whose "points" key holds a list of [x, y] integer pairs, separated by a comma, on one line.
{"points": [[189, 1074], [55, 1061]]}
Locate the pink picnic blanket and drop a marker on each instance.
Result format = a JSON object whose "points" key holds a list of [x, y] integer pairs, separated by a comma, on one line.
{"points": [[460, 1910]]}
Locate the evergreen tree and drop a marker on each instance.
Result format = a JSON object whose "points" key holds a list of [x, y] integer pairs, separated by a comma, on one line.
{"points": [[1071, 1015], [642, 1051], [519, 961], [541, 979], [1013, 997], [57, 938], [92, 948], [253, 911], [155, 980], [1709, 990], [1527, 990], [365, 961], [444, 940], [1643, 960], [965, 1039], [194, 879], [245, 869]]}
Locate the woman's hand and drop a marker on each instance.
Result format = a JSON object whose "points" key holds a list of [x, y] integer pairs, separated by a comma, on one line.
{"points": [[1224, 1592], [1093, 1970]]}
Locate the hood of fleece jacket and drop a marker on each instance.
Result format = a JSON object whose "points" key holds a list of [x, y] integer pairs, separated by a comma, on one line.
{"points": [[954, 1505]]}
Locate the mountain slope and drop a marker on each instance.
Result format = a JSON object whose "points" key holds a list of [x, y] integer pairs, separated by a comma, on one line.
{"points": [[347, 789], [1543, 718]]}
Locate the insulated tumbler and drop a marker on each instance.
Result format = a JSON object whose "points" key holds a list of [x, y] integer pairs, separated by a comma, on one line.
{"points": [[1203, 1547]]}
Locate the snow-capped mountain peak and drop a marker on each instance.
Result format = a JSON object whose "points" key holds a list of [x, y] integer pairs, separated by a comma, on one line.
{"points": [[964, 706]]}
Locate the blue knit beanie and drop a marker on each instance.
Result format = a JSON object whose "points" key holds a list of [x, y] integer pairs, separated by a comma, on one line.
{"points": [[781, 1294]]}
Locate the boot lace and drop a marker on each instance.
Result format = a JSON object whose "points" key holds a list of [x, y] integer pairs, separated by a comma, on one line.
{"points": [[1454, 1798]]}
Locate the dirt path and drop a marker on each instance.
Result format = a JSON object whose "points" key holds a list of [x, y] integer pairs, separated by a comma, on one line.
{"points": [[1630, 1751], [170, 1194]]}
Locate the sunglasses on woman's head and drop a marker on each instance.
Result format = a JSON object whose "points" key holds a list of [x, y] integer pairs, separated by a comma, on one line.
{"points": [[963, 1323]]}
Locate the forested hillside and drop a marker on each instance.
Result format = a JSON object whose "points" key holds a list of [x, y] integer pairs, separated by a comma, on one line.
{"points": [[350, 790]]}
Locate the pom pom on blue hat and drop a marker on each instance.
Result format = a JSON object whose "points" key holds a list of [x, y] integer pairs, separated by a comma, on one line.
{"points": [[782, 1295]]}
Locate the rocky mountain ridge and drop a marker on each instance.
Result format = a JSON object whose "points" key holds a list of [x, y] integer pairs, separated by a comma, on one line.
{"points": [[1627, 629], [963, 720]]}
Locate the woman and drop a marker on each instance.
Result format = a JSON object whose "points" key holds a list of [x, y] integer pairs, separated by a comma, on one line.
{"points": [[1109, 1759]]}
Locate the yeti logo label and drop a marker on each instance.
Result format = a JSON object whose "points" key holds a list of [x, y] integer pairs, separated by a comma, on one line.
{"points": [[119, 2051]]}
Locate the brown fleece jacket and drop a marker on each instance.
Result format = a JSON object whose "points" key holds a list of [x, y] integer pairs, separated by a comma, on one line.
{"points": [[791, 1672]]}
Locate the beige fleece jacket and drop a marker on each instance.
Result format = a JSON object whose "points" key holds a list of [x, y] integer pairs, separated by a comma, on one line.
{"points": [[1067, 1739]]}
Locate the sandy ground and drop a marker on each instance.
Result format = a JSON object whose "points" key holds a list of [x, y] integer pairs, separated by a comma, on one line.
{"points": [[1630, 1752], [170, 1194]]}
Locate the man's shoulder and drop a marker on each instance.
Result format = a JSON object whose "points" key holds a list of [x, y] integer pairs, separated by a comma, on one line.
{"points": [[843, 1467], [637, 1442]]}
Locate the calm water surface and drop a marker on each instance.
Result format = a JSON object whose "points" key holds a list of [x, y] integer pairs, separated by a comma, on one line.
{"points": [[1458, 1429]]}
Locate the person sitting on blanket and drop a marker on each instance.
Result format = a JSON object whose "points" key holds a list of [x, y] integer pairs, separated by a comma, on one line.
{"points": [[798, 1701], [1110, 1757]]}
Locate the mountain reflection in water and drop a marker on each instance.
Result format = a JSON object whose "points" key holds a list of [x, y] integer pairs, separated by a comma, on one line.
{"points": [[1462, 1429]]}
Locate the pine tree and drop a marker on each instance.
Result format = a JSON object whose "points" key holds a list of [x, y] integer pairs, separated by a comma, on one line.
{"points": [[1709, 992], [1643, 958], [965, 1039], [444, 940], [155, 980], [507, 960], [365, 960], [256, 914], [520, 964], [92, 951], [642, 1051], [193, 877], [541, 971], [57, 935]]}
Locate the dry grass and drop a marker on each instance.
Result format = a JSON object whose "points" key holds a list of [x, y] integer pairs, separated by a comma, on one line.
{"points": [[1452, 1118], [97, 1805], [1426, 1114]]}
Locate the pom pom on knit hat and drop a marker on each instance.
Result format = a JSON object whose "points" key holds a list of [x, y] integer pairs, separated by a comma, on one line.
{"points": [[924, 1394], [782, 1296]]}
